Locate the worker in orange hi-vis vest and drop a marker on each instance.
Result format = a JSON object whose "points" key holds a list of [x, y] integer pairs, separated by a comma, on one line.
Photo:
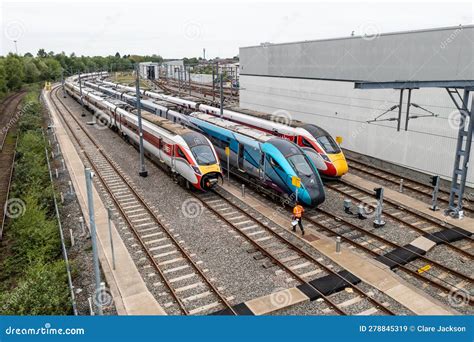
{"points": [[298, 211]]}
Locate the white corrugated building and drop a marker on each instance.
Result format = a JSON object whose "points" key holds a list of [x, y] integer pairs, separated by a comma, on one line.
{"points": [[314, 82], [149, 70]]}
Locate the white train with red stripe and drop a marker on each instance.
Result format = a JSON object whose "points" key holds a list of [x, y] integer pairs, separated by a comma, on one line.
{"points": [[185, 153]]}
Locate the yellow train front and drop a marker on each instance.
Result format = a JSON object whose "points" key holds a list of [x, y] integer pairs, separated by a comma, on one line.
{"points": [[329, 158]]}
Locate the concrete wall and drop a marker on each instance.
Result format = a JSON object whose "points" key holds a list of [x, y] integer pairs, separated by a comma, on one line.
{"points": [[428, 145], [438, 54], [202, 78]]}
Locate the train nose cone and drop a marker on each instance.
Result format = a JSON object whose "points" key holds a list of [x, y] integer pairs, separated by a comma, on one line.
{"points": [[341, 166], [314, 194]]}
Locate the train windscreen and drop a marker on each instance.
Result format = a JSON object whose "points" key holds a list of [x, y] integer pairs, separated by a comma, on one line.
{"points": [[323, 138], [300, 164], [200, 148], [204, 155]]}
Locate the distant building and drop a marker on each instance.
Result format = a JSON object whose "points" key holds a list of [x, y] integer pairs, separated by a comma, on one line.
{"points": [[149, 70], [173, 68]]}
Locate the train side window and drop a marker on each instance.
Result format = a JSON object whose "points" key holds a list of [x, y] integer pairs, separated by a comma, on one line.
{"points": [[180, 153], [306, 142], [274, 163]]}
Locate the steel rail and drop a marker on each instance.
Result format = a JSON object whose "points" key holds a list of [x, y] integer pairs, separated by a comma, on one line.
{"points": [[375, 254], [6, 103], [408, 224], [370, 251], [12, 166], [295, 248], [426, 192]]}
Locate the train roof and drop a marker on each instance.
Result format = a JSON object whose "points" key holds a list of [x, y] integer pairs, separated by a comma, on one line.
{"points": [[266, 116], [234, 127], [165, 123]]}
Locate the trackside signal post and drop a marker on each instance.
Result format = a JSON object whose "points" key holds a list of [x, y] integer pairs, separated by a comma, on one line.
{"points": [[434, 201], [296, 181], [378, 222], [82, 100], [142, 172], [227, 153]]}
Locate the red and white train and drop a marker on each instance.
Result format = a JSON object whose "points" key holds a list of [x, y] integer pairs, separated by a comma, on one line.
{"points": [[185, 153]]}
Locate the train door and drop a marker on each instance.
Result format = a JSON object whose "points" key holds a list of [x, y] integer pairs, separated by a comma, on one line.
{"points": [[241, 158], [261, 169], [172, 150]]}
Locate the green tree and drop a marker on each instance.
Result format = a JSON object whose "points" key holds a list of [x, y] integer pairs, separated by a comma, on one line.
{"points": [[14, 72], [32, 74], [3, 78], [41, 53], [54, 69]]}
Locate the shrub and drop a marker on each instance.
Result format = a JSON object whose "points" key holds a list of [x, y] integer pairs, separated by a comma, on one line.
{"points": [[43, 291]]}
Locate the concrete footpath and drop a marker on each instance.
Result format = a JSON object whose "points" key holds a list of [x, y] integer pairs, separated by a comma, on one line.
{"points": [[131, 296], [466, 223], [368, 270]]}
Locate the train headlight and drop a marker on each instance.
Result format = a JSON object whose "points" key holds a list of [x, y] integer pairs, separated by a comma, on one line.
{"points": [[196, 169]]}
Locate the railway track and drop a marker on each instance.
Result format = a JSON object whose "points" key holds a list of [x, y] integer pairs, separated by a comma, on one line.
{"points": [[410, 186], [188, 287], [440, 277], [377, 246], [175, 92], [409, 218], [8, 106], [7, 151], [281, 251], [204, 89]]}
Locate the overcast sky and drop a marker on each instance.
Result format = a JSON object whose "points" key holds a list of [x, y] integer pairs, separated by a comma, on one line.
{"points": [[176, 29]]}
